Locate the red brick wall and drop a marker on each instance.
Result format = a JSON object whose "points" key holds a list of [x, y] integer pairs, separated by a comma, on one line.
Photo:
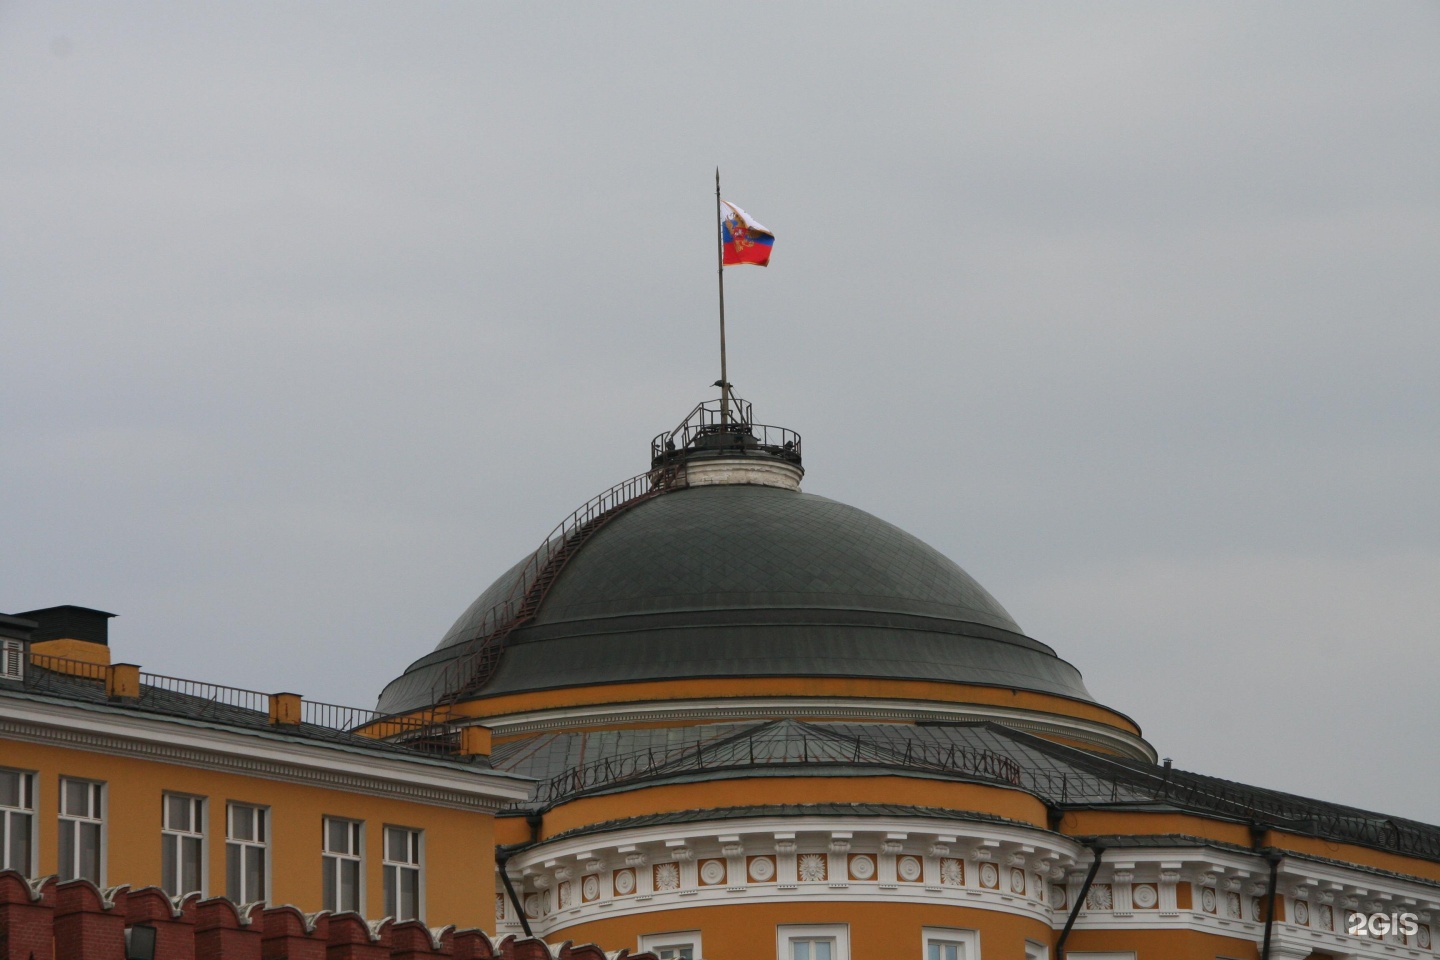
{"points": [[46, 920]]}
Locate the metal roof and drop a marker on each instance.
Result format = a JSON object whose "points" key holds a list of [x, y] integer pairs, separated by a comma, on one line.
{"points": [[743, 580], [568, 765]]}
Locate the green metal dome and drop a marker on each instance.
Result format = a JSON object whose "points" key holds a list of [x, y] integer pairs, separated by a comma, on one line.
{"points": [[747, 580]]}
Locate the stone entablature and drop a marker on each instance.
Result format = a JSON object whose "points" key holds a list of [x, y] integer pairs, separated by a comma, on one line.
{"points": [[1003, 868]]}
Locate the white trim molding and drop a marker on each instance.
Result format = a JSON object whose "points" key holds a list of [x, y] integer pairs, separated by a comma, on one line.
{"points": [[787, 933], [981, 865], [264, 754]]}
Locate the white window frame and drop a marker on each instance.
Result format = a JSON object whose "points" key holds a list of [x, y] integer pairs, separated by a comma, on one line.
{"points": [[72, 821], [1035, 950], [393, 867], [330, 861], [967, 940], [675, 940], [1115, 955], [12, 660], [788, 933], [262, 817], [199, 811], [11, 815]]}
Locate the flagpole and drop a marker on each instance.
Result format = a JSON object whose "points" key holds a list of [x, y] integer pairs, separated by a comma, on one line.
{"points": [[720, 271]]}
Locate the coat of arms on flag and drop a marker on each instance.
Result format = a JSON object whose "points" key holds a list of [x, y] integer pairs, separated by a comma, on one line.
{"points": [[744, 239]]}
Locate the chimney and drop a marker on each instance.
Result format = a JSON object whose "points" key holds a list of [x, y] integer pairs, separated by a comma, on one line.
{"points": [[75, 633]]}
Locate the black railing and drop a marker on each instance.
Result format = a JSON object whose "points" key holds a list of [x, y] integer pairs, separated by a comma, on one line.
{"points": [[766, 748], [706, 429], [199, 700], [470, 670], [202, 697], [1101, 785]]}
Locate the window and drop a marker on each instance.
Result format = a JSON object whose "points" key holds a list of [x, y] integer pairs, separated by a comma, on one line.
{"points": [[402, 873], [82, 818], [946, 944], [1036, 951], [673, 946], [12, 660], [182, 844], [341, 863], [828, 942], [246, 850], [17, 821]]}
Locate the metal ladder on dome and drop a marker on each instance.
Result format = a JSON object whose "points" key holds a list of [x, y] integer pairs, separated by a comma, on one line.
{"points": [[470, 671]]}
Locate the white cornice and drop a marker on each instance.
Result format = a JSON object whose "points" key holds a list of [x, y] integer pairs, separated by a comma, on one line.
{"points": [[187, 743], [719, 710], [1053, 867]]}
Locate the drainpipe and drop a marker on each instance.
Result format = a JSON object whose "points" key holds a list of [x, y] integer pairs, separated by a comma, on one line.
{"points": [[503, 853], [1274, 857], [502, 857], [1098, 849]]}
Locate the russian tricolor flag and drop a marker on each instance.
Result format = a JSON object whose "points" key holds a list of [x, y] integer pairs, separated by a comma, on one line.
{"points": [[745, 240]]}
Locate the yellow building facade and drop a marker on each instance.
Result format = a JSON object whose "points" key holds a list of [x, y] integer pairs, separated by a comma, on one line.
{"points": [[201, 789], [711, 717], [764, 724]]}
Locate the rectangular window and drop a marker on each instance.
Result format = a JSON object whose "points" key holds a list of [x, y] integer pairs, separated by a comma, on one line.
{"points": [[182, 844], [946, 944], [684, 945], [17, 821], [1036, 951], [82, 821], [246, 852], [402, 873], [341, 861], [828, 942], [12, 660]]}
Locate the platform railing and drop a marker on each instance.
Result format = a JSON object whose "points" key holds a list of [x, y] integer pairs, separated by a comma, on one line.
{"points": [[199, 699], [706, 428], [763, 748]]}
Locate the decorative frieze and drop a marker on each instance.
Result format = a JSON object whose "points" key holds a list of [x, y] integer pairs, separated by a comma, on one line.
{"points": [[1010, 871], [952, 872]]}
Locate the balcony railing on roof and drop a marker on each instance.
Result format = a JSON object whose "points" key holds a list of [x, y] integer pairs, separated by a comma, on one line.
{"points": [[199, 700], [763, 748], [706, 428]]}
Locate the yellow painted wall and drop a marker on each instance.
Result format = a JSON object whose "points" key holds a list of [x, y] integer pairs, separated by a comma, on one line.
{"points": [[1351, 853], [1093, 822], [1163, 944], [878, 931], [765, 790], [1082, 823], [82, 650], [889, 931], [862, 687], [458, 844]]}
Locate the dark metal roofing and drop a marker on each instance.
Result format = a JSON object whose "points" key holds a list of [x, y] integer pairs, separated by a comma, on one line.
{"points": [[567, 765], [68, 621], [725, 581]]}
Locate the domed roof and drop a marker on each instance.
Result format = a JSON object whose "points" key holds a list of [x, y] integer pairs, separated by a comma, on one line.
{"points": [[748, 581]]}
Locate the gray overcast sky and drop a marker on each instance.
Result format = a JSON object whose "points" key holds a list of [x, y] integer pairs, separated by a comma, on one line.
{"points": [[316, 316]]}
